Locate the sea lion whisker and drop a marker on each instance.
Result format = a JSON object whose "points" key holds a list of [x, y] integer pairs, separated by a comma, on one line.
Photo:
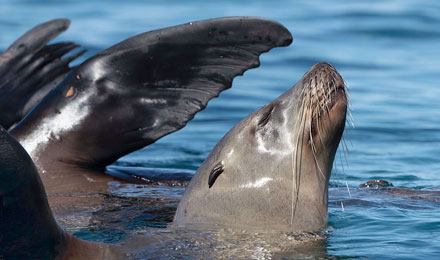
{"points": [[348, 188], [318, 124], [345, 150], [298, 175], [298, 152], [342, 163], [347, 134], [323, 94], [293, 181], [350, 118], [294, 184], [314, 157], [295, 146], [312, 143], [321, 107], [347, 87], [335, 170], [297, 170]]}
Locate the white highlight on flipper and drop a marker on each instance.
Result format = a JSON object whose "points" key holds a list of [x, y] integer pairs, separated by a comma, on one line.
{"points": [[154, 101], [52, 127]]}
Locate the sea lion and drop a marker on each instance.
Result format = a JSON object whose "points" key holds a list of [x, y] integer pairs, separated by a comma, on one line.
{"points": [[271, 171], [133, 93], [30, 68], [28, 229]]}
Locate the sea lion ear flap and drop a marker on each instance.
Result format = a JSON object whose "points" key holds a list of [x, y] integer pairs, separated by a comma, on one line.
{"points": [[24, 210], [146, 87], [29, 69]]}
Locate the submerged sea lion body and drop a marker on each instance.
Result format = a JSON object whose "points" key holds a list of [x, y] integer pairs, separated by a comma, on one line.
{"points": [[271, 171]]}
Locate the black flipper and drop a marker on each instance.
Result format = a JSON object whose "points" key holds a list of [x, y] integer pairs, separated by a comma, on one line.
{"points": [[148, 86], [27, 227], [29, 69]]}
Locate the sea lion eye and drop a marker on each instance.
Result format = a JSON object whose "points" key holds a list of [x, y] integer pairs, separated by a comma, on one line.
{"points": [[265, 118], [215, 172]]}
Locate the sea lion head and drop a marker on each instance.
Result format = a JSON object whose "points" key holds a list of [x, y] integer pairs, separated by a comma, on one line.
{"points": [[271, 171]]}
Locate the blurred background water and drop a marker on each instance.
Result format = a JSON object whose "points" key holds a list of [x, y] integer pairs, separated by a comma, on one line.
{"points": [[387, 52]]}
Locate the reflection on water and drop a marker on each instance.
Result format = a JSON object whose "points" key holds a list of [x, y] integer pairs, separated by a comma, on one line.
{"points": [[188, 243]]}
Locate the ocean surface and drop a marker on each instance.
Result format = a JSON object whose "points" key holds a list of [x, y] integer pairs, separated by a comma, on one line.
{"points": [[388, 52]]}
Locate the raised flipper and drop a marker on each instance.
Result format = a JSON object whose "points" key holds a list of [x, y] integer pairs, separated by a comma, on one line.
{"points": [[29, 69], [27, 227], [148, 86]]}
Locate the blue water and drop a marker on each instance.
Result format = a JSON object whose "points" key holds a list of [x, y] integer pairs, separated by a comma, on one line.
{"points": [[388, 53]]}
